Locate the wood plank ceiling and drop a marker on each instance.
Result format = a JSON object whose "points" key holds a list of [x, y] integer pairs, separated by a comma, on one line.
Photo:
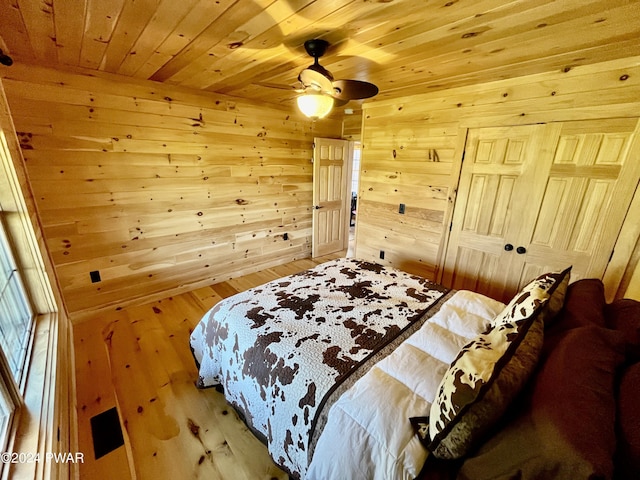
{"points": [[246, 47]]}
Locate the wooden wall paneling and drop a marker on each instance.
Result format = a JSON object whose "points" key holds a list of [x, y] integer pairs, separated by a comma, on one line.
{"points": [[408, 128], [352, 125], [410, 162], [158, 193], [180, 277], [143, 95]]}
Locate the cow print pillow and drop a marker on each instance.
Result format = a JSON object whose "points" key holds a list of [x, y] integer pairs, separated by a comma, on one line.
{"points": [[549, 288], [489, 371]]}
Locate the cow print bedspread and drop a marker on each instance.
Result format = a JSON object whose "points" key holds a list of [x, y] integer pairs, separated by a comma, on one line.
{"points": [[280, 348]]}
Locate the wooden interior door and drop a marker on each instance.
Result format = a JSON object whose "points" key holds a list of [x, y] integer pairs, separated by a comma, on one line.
{"points": [[331, 199], [557, 194], [593, 175], [497, 184]]}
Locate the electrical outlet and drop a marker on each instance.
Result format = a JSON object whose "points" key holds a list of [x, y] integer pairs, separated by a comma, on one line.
{"points": [[381, 254], [285, 236], [95, 276], [401, 209]]}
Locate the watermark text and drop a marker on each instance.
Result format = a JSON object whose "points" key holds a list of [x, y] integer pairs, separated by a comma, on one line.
{"points": [[47, 457]]}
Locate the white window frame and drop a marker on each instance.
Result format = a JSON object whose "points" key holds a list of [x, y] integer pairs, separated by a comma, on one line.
{"points": [[13, 383]]}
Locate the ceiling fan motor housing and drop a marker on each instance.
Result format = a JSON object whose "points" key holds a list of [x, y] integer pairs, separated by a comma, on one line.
{"points": [[316, 47]]}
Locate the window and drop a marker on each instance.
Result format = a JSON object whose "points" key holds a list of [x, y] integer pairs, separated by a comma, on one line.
{"points": [[355, 177], [16, 315], [16, 322]]}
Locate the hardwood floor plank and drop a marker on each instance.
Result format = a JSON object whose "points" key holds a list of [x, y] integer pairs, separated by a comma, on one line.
{"points": [[224, 289], [205, 297], [139, 360], [143, 414], [95, 396]]}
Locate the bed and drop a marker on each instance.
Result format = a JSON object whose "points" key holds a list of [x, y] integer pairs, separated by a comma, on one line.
{"points": [[357, 370]]}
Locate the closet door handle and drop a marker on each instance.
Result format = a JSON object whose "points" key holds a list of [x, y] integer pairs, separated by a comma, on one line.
{"points": [[508, 247], [521, 250]]}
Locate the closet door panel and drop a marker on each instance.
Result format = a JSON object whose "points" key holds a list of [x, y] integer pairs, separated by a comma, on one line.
{"points": [[590, 185], [558, 191], [497, 183]]}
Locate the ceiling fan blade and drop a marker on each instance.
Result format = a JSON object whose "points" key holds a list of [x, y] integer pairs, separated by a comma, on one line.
{"points": [[353, 89], [315, 79], [281, 86], [339, 102]]}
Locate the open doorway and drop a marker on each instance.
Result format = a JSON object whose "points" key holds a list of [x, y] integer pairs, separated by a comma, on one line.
{"points": [[355, 182]]}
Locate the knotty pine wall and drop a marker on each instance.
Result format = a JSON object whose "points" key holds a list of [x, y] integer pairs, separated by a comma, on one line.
{"points": [[413, 146], [352, 125], [159, 189]]}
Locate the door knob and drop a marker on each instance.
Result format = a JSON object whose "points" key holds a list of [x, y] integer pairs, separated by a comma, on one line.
{"points": [[508, 247], [521, 250], [317, 207]]}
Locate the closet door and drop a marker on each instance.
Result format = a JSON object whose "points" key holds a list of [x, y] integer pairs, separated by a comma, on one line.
{"points": [[563, 205], [594, 172], [498, 198]]}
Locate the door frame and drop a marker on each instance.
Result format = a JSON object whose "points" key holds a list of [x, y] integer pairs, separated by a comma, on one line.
{"points": [[346, 198]]}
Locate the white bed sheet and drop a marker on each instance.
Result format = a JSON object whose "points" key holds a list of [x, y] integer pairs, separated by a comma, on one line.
{"points": [[368, 434]]}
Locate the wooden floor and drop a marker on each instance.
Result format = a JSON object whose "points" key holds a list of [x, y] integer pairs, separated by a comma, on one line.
{"points": [[138, 360]]}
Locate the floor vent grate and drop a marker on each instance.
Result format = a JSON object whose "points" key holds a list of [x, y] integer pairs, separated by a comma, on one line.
{"points": [[106, 432]]}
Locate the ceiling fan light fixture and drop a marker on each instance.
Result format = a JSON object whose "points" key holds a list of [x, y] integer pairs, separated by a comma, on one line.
{"points": [[315, 105]]}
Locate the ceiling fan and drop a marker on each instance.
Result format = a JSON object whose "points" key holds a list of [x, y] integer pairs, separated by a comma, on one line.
{"points": [[320, 92], [319, 78]]}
